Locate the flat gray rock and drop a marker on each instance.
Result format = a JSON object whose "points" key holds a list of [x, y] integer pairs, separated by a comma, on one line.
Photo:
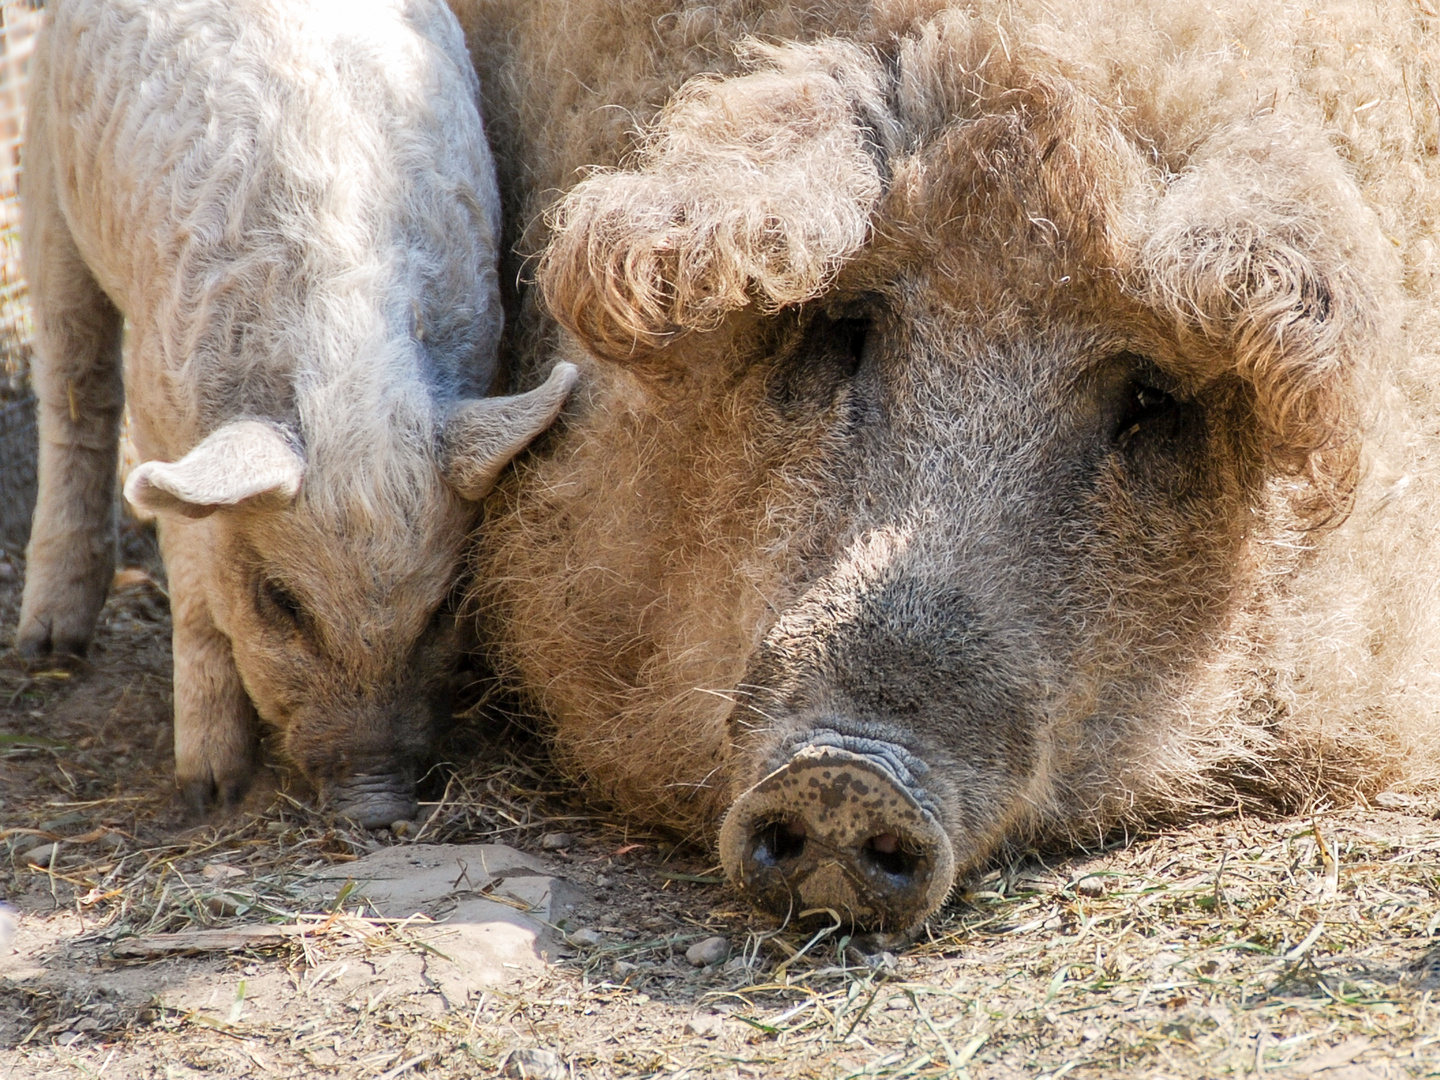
{"points": [[493, 908]]}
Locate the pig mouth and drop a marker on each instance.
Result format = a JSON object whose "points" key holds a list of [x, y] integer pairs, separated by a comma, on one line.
{"points": [[373, 800], [833, 830]]}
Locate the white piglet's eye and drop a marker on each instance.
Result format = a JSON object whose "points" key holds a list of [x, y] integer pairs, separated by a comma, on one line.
{"points": [[275, 600]]}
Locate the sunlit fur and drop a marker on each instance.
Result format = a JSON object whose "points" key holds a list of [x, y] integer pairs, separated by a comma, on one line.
{"points": [[294, 207], [731, 543]]}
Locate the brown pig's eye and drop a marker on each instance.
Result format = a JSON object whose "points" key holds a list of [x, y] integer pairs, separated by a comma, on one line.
{"points": [[277, 600], [851, 335], [1144, 406]]}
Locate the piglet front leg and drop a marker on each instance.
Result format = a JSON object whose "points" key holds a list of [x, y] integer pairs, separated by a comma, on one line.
{"points": [[216, 727]]}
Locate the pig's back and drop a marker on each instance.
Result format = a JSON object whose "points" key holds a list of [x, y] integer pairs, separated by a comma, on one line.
{"points": [[271, 190]]}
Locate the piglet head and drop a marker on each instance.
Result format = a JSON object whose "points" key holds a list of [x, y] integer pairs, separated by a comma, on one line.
{"points": [[316, 587]]}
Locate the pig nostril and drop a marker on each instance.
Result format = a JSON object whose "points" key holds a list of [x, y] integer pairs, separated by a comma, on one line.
{"points": [[885, 851], [777, 841]]}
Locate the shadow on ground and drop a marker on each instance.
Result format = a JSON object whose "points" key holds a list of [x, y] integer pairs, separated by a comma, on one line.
{"points": [[278, 943]]}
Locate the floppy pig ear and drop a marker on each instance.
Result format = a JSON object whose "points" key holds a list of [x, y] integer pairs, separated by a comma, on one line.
{"points": [[239, 461], [758, 187], [1267, 263], [483, 434]]}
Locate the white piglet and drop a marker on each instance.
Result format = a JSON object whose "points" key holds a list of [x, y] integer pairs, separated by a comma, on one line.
{"points": [[294, 208]]}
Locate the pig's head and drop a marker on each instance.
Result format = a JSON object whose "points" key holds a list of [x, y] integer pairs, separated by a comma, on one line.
{"points": [[936, 418], [327, 575]]}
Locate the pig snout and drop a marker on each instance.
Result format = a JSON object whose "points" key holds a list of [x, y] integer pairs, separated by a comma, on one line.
{"points": [[374, 800], [838, 830]]}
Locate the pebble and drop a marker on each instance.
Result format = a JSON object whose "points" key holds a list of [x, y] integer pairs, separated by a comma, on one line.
{"points": [[535, 1064], [711, 950], [41, 856], [1092, 886], [22, 843], [623, 969], [65, 821], [402, 828], [706, 1025], [219, 871], [9, 925], [7, 572], [556, 841], [1394, 800], [586, 939], [220, 906], [876, 961]]}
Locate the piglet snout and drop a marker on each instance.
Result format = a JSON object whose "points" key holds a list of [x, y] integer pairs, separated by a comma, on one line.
{"points": [[831, 829]]}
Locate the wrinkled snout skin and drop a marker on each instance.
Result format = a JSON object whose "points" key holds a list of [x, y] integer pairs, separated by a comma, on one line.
{"points": [[967, 431], [838, 828]]}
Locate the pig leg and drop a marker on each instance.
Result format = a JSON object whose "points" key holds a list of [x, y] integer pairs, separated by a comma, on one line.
{"points": [[77, 379], [216, 728]]}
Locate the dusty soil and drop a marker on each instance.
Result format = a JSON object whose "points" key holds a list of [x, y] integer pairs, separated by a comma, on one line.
{"points": [[147, 946]]}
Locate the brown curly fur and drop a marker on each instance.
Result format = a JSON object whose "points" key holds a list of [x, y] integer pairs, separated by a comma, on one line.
{"points": [[1244, 195]]}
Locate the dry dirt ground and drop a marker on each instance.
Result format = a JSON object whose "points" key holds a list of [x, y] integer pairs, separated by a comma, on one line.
{"points": [[143, 946]]}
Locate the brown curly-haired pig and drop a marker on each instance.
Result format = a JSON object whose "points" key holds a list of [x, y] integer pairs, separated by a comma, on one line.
{"points": [[1000, 423]]}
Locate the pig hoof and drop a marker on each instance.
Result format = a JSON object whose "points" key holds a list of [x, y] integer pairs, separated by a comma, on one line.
{"points": [[206, 794], [375, 801], [36, 644], [834, 830]]}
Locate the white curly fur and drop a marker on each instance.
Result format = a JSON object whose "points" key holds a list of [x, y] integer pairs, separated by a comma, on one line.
{"points": [[294, 207]]}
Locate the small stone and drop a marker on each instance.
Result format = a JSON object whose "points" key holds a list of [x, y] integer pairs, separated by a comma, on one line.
{"points": [[1394, 800], [217, 871], [1091, 886], [601, 881], [736, 965], [402, 828], [22, 843], [73, 819], [219, 905], [556, 841], [877, 961], [706, 1025], [586, 939], [535, 1064], [712, 950], [9, 925], [623, 969], [7, 572], [41, 856]]}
